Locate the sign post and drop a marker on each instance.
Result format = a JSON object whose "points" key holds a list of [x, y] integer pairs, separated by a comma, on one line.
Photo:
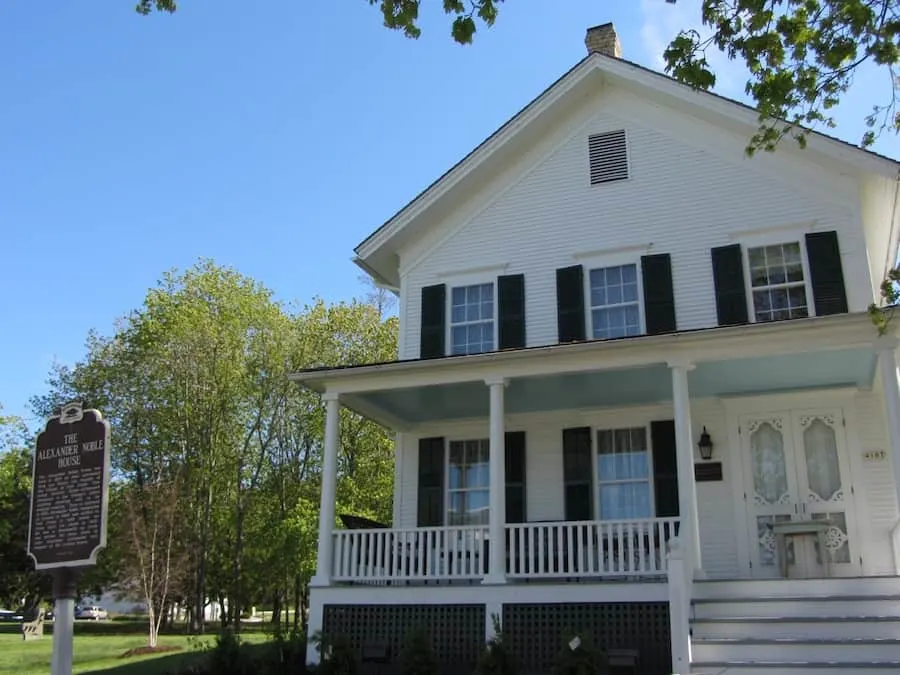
{"points": [[69, 502]]}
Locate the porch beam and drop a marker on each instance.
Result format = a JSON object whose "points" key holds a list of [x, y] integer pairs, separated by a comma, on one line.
{"points": [[497, 530], [757, 340], [887, 363], [684, 444], [329, 486]]}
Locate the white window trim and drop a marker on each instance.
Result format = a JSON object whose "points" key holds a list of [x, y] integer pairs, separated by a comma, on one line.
{"points": [[770, 239], [485, 277], [447, 489], [624, 257], [595, 463]]}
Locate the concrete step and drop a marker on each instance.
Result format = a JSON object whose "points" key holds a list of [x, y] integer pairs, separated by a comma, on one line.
{"points": [[792, 668], [825, 627], [798, 606], [871, 650]]}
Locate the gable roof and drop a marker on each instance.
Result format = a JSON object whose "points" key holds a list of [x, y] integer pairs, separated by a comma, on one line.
{"points": [[375, 254]]}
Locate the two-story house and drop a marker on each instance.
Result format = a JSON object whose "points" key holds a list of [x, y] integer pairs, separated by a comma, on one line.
{"points": [[638, 395]]}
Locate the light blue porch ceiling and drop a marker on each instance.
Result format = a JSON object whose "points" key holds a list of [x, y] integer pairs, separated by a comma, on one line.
{"points": [[633, 386]]}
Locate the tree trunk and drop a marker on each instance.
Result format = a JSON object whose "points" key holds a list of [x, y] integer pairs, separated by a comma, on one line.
{"points": [[276, 609], [297, 621], [235, 609], [199, 619], [153, 634]]}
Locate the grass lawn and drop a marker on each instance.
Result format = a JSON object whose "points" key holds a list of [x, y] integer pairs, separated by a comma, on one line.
{"points": [[100, 653]]}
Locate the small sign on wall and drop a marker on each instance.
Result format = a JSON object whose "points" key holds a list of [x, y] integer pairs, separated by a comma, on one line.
{"points": [[708, 472], [875, 455]]}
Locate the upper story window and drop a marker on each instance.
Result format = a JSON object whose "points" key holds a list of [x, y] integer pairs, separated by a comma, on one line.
{"points": [[468, 486], [623, 474], [615, 309], [777, 282], [472, 319]]}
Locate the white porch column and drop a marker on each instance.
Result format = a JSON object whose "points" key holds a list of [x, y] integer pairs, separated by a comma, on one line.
{"points": [[497, 570], [887, 362], [329, 485], [687, 486]]}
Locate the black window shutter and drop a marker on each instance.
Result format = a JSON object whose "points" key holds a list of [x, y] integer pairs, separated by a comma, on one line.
{"points": [[731, 293], [659, 296], [578, 473], [570, 303], [515, 476], [434, 309], [511, 298], [665, 467], [826, 273], [430, 498]]}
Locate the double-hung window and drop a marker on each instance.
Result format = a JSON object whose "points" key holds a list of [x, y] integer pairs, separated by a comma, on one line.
{"points": [[623, 474], [777, 282], [472, 319], [468, 486], [615, 305]]}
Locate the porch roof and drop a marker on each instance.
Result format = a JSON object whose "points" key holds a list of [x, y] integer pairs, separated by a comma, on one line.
{"points": [[832, 351]]}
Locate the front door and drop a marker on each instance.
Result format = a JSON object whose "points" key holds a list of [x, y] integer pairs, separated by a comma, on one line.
{"points": [[796, 467]]}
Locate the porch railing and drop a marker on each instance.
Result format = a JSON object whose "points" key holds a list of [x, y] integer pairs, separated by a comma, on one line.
{"points": [[625, 548], [422, 553]]}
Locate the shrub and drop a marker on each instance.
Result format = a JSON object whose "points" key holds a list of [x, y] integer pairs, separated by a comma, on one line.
{"points": [[286, 653], [336, 656], [578, 656], [417, 657], [497, 659], [229, 657]]}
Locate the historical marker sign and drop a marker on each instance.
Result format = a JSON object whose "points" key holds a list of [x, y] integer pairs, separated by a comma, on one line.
{"points": [[70, 487]]}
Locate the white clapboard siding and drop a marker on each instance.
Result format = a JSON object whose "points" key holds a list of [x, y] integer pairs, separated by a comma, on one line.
{"points": [[690, 188]]}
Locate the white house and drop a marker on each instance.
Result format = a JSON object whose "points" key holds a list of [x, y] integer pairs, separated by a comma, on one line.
{"points": [[602, 286]]}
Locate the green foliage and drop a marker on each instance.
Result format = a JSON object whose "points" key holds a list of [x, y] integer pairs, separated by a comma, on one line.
{"points": [[417, 657], [497, 658], [336, 655], [229, 657], [890, 297], [216, 454], [585, 659], [18, 580], [802, 56], [398, 15]]}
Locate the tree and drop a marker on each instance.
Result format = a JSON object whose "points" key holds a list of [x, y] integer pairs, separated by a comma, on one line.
{"points": [[398, 14], [18, 579], [217, 455], [146, 523], [801, 55]]}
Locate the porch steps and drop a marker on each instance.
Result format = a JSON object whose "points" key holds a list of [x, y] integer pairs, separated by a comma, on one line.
{"points": [[796, 627]]}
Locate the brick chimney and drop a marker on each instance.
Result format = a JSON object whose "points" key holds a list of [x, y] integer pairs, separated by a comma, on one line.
{"points": [[603, 39]]}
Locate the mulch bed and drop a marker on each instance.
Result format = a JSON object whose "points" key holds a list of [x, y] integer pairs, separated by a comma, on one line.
{"points": [[158, 649]]}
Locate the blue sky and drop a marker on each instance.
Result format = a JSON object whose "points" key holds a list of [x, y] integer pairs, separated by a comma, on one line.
{"points": [[271, 137]]}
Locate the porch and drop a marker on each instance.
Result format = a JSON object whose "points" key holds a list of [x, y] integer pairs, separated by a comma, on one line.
{"points": [[799, 412]]}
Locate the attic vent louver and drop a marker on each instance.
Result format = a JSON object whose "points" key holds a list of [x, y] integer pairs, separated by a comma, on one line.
{"points": [[609, 157]]}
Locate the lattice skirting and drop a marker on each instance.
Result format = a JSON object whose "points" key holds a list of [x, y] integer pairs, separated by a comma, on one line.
{"points": [[456, 631], [538, 631]]}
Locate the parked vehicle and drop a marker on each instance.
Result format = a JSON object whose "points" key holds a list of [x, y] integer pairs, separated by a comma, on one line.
{"points": [[7, 616], [91, 612]]}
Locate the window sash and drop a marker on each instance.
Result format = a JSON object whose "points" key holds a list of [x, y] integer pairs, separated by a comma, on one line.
{"points": [[473, 310], [614, 301], [627, 455], [468, 484], [777, 278]]}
